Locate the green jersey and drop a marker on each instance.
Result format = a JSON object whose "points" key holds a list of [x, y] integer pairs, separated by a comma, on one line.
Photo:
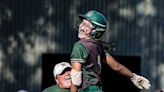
{"points": [[90, 53], [55, 88]]}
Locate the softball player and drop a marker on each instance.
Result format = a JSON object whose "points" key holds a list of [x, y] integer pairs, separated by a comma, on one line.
{"points": [[88, 53]]}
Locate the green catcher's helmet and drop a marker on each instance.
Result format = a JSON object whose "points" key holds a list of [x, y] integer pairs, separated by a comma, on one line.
{"points": [[99, 22]]}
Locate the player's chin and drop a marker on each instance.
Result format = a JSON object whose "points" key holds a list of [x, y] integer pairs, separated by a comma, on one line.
{"points": [[81, 35], [67, 84]]}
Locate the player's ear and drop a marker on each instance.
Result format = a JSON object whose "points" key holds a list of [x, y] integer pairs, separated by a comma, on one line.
{"points": [[57, 82]]}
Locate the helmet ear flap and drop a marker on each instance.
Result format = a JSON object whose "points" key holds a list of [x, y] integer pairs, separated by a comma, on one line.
{"points": [[93, 33], [97, 33]]}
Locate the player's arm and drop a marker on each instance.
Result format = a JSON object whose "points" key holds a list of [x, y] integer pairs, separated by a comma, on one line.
{"points": [[76, 76], [116, 66], [139, 81]]}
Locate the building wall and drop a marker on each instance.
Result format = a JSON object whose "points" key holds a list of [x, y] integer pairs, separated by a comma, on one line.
{"points": [[29, 28]]}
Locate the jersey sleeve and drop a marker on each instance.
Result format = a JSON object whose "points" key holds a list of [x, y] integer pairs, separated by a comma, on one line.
{"points": [[79, 53]]}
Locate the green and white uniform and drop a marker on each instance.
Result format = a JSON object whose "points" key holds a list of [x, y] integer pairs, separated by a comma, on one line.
{"points": [[90, 54], [55, 88]]}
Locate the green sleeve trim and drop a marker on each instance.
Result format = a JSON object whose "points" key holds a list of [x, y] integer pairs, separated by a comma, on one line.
{"points": [[77, 60]]}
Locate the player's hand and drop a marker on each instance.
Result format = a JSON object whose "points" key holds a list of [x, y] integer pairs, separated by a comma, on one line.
{"points": [[140, 81]]}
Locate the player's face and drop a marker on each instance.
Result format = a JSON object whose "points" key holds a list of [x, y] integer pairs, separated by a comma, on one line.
{"points": [[85, 29], [64, 78]]}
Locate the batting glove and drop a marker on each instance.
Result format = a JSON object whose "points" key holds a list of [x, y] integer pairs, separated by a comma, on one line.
{"points": [[140, 81]]}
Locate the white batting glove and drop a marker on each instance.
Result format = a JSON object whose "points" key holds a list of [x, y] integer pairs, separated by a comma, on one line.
{"points": [[140, 81]]}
